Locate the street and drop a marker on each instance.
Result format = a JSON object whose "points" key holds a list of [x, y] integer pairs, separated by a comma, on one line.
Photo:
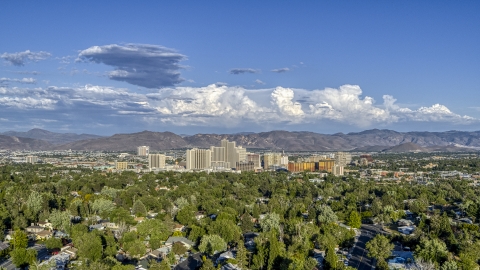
{"points": [[360, 259], [41, 254]]}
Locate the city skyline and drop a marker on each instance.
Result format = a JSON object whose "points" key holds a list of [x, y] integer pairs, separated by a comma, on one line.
{"points": [[239, 67]]}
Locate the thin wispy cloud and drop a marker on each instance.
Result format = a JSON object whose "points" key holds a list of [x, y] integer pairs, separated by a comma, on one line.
{"points": [[238, 71], [281, 70], [23, 80], [20, 58], [150, 66], [259, 82]]}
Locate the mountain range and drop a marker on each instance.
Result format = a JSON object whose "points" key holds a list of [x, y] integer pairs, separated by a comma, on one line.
{"points": [[374, 140]]}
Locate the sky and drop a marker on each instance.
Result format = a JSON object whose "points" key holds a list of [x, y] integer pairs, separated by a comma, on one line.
{"points": [[189, 67]]}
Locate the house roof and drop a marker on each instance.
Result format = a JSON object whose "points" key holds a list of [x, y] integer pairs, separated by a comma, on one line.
{"points": [[191, 263], [3, 246], [173, 239]]}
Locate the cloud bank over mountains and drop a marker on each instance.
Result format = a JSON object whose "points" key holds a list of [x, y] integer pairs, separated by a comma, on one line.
{"points": [[216, 106]]}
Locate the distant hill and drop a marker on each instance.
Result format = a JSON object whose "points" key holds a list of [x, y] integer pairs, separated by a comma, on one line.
{"points": [[129, 142], [374, 140], [51, 137], [405, 147], [19, 143]]}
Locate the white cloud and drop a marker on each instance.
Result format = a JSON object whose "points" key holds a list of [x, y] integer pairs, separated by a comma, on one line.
{"points": [[222, 106], [259, 82], [281, 70], [23, 80], [20, 58]]}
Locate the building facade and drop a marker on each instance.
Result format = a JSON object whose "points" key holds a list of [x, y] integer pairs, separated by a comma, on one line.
{"points": [[156, 161], [143, 151], [198, 159]]}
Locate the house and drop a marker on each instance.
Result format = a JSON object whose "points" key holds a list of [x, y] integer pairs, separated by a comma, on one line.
{"points": [[139, 219], [173, 239], [45, 224], [178, 227], [406, 229], [60, 234], [71, 251], [4, 246], [405, 222], [224, 257], [193, 262], [43, 235], [34, 229], [99, 227], [160, 253], [199, 215]]}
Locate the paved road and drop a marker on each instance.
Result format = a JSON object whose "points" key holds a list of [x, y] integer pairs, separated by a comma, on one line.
{"points": [[359, 259], [41, 254]]}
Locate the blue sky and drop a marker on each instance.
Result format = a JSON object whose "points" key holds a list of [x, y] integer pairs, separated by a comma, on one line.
{"points": [[223, 66]]}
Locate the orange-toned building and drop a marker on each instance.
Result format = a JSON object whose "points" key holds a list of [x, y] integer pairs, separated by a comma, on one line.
{"points": [[326, 165], [301, 166]]}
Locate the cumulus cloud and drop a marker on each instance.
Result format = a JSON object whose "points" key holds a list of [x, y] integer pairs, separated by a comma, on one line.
{"points": [[220, 106], [238, 71], [281, 70], [145, 65], [20, 58]]}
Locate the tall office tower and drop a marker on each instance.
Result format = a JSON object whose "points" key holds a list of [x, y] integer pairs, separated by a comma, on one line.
{"points": [[218, 157], [337, 170], [342, 158], [233, 154], [198, 159], [272, 159], [143, 151], [255, 158], [156, 161], [31, 159]]}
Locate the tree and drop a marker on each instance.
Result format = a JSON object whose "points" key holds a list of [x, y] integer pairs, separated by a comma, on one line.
{"points": [[431, 250], [331, 258], [53, 243], [139, 209], [241, 255], [135, 248], [35, 203], [196, 233], [178, 248], [89, 246], [60, 219], [164, 265], [325, 214], [212, 243], [270, 222], [22, 256], [379, 248], [354, 220], [102, 206], [449, 265], [207, 264], [227, 229]]}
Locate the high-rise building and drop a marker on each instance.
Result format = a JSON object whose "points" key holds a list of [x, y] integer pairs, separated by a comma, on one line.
{"points": [[337, 170], [255, 158], [218, 157], [143, 151], [156, 161], [198, 159], [274, 159], [31, 159], [342, 158], [233, 154]]}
